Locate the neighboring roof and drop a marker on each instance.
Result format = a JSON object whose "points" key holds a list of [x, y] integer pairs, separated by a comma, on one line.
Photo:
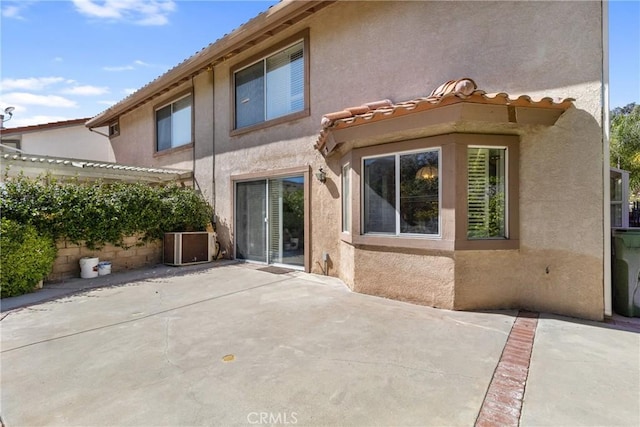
{"points": [[59, 166], [452, 92], [44, 126], [264, 26]]}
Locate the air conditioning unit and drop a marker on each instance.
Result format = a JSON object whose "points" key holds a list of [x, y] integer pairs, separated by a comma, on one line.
{"points": [[190, 247]]}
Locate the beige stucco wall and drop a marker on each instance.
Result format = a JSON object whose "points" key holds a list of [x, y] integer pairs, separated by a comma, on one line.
{"points": [[403, 50], [136, 143], [75, 142], [366, 51], [559, 265]]}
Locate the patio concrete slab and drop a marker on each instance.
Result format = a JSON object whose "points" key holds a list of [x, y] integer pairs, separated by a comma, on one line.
{"points": [[236, 346], [75, 285], [582, 374]]}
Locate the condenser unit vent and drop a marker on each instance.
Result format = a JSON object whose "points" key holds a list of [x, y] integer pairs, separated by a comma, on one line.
{"points": [[188, 247]]}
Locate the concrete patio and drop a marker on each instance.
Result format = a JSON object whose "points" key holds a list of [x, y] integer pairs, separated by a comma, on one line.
{"points": [[235, 345]]}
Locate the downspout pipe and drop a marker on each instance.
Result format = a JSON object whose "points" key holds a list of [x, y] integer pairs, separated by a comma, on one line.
{"points": [[213, 143], [608, 312]]}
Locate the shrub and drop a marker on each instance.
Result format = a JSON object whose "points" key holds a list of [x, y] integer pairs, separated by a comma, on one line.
{"points": [[25, 258], [99, 213]]}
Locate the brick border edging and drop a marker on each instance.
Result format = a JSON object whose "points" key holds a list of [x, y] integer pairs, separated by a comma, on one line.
{"points": [[502, 404]]}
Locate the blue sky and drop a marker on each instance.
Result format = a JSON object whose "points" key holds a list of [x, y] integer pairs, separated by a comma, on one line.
{"points": [[71, 59]]}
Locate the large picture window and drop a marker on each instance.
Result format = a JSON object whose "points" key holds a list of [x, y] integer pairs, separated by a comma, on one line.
{"points": [[401, 193], [271, 88], [173, 124], [487, 193]]}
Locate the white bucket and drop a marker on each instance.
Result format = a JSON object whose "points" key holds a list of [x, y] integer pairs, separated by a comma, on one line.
{"points": [[89, 267], [104, 268]]}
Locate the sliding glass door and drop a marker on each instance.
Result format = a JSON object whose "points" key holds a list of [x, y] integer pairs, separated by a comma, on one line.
{"points": [[270, 221], [251, 228]]}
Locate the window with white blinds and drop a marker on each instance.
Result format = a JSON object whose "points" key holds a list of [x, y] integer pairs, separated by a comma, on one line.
{"points": [[346, 198], [270, 88], [486, 193]]}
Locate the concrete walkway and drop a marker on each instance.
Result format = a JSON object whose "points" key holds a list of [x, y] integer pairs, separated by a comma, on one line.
{"points": [[238, 346]]}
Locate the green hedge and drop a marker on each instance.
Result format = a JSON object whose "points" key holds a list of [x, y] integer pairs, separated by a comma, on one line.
{"points": [[26, 258], [99, 213]]}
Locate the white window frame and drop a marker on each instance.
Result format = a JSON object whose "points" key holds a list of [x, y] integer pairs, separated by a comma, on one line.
{"points": [[264, 59], [155, 118], [506, 190], [347, 208], [397, 234]]}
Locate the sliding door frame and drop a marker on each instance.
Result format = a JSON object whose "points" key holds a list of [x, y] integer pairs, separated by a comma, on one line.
{"points": [[303, 171]]}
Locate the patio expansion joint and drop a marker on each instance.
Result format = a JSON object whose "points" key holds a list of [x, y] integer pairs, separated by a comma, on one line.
{"points": [[502, 403]]}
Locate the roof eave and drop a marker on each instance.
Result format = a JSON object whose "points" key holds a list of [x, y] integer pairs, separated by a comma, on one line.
{"points": [[268, 23]]}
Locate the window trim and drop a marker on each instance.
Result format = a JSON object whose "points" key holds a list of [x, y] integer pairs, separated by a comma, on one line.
{"points": [[507, 193], [159, 106], [512, 214], [270, 174], [116, 126], [398, 233], [346, 203], [303, 37], [452, 194]]}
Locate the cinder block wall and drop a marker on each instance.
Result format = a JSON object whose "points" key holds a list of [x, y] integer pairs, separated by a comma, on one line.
{"points": [[67, 264]]}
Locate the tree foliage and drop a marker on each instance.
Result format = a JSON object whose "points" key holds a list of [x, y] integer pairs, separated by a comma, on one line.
{"points": [[26, 257], [625, 143], [98, 213]]}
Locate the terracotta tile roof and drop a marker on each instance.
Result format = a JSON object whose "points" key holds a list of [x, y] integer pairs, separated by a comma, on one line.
{"points": [[451, 92]]}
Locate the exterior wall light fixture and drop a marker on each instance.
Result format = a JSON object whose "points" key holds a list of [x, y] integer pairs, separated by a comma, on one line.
{"points": [[8, 111], [321, 175]]}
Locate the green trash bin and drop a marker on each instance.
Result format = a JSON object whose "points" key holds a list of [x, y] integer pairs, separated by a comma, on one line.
{"points": [[626, 271]]}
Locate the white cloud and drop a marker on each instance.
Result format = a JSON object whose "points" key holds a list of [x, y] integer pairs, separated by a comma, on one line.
{"points": [[129, 91], [57, 59], [86, 90], [140, 12], [32, 83], [108, 103], [89, 8], [14, 9], [119, 68], [23, 98], [11, 11]]}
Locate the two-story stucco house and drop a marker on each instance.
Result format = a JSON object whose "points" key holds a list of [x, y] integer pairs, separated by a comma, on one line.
{"points": [[450, 154]]}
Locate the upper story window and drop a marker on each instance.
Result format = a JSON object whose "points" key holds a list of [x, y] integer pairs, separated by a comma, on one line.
{"points": [[273, 87], [114, 129], [401, 193], [174, 124]]}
